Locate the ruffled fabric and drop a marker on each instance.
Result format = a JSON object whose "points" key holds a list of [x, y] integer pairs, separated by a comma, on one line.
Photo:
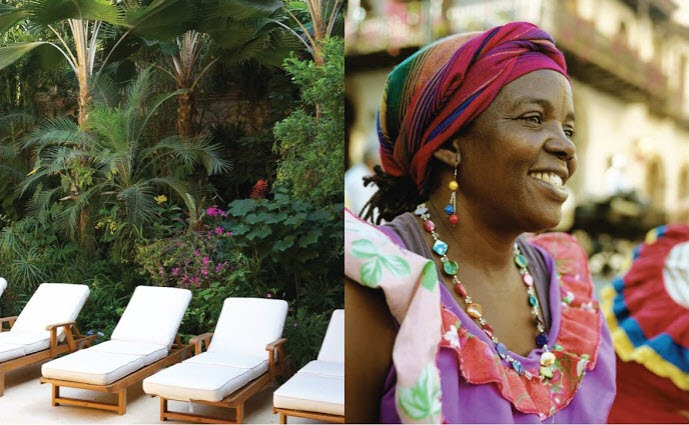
{"points": [[646, 323], [575, 347]]}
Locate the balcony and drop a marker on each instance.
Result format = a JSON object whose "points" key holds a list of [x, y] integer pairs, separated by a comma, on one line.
{"points": [[608, 64]]}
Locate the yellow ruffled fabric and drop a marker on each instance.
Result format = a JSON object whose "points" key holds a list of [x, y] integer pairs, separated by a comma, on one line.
{"points": [[644, 354]]}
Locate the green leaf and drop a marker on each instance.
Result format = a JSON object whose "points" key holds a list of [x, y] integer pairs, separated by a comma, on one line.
{"points": [[371, 273], [48, 12], [10, 16], [241, 207], [429, 276], [240, 229], [12, 53], [309, 238], [396, 264], [422, 401], [364, 248], [284, 244]]}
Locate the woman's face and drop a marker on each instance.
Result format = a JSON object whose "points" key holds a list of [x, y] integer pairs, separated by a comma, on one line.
{"points": [[518, 154]]}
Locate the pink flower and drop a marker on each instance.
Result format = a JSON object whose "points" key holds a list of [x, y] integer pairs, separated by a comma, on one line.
{"points": [[205, 261], [175, 271], [228, 233], [204, 272], [197, 253], [218, 268], [269, 295], [218, 230]]}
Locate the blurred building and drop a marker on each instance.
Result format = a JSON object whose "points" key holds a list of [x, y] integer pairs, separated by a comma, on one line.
{"points": [[628, 64]]}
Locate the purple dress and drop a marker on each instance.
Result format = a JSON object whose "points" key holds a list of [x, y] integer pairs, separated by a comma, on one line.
{"points": [[470, 403]]}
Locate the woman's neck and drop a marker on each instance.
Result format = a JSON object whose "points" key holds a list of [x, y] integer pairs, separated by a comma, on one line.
{"points": [[480, 247]]}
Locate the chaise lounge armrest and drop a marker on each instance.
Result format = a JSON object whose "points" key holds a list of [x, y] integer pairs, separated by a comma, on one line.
{"points": [[199, 340], [71, 331], [9, 320], [275, 355]]}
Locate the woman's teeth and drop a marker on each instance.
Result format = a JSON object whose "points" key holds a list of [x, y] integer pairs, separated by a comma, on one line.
{"points": [[551, 178]]}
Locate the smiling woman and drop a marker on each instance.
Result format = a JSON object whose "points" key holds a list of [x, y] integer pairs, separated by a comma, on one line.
{"points": [[476, 144]]}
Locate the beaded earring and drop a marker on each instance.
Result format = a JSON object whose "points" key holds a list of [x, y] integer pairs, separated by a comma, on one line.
{"points": [[451, 207]]}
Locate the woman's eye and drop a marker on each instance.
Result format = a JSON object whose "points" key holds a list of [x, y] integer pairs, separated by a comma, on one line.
{"points": [[569, 132], [533, 118]]}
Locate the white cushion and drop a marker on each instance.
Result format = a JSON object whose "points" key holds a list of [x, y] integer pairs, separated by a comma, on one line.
{"points": [[193, 381], [52, 303], [30, 343], [153, 315], [247, 325], [312, 393], [92, 367], [332, 349], [3, 285], [254, 364], [149, 352], [318, 367], [10, 351]]}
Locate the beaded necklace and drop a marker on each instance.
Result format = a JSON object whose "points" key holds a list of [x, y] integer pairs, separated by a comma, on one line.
{"points": [[475, 311]]}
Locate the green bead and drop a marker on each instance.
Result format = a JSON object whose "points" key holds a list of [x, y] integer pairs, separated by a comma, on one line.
{"points": [[533, 301], [546, 371], [450, 268], [521, 261]]}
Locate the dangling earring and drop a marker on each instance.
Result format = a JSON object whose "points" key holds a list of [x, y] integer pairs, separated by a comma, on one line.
{"points": [[451, 208]]}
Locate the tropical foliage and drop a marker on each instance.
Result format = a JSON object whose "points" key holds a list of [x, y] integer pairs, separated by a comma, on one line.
{"points": [[174, 143]]}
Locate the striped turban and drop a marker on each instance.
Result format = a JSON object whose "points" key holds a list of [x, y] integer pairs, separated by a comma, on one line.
{"points": [[430, 96]]}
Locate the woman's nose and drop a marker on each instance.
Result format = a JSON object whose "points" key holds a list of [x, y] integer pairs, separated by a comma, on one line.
{"points": [[561, 146]]}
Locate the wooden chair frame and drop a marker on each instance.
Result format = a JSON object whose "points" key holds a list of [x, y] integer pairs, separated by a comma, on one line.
{"points": [[323, 417], [119, 387], [237, 399], [73, 341]]}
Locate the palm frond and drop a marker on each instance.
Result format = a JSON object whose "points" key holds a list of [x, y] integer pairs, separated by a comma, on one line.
{"points": [[48, 12], [10, 16]]}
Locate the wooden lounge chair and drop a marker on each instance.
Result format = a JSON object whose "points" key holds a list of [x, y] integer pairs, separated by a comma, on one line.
{"points": [[44, 329], [316, 391], [244, 357], [142, 343]]}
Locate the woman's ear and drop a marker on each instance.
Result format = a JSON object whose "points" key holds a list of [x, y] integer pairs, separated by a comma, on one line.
{"points": [[448, 156]]}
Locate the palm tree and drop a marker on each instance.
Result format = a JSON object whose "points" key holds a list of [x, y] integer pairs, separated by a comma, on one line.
{"points": [[234, 31], [323, 14], [80, 27], [111, 164]]}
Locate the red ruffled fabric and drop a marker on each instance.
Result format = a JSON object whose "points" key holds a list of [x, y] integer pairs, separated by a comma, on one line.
{"points": [[575, 349]]}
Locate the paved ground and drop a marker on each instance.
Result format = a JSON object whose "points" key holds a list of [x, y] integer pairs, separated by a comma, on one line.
{"points": [[27, 401]]}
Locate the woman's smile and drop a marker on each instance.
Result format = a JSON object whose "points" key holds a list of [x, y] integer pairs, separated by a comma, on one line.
{"points": [[551, 185]]}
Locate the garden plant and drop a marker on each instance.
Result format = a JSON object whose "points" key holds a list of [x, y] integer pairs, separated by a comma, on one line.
{"points": [[192, 144]]}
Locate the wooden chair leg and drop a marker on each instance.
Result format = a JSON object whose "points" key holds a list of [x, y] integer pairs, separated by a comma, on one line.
{"points": [[283, 418], [240, 413], [2, 383], [122, 402], [55, 392], [163, 409]]}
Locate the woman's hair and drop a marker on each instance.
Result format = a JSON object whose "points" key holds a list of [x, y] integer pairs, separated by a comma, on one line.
{"points": [[395, 195]]}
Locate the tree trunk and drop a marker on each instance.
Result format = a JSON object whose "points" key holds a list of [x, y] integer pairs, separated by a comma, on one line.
{"points": [[84, 99], [185, 115]]}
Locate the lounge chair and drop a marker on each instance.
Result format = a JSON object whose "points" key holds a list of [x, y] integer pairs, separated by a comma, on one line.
{"points": [[244, 357], [3, 285], [142, 343], [44, 329], [316, 391]]}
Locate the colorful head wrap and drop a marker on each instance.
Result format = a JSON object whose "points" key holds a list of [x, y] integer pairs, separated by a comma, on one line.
{"points": [[433, 93]]}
